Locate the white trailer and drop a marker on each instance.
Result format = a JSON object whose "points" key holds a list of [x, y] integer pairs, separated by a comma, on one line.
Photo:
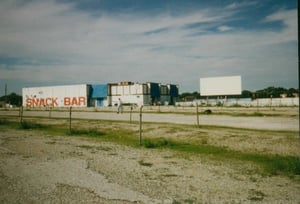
{"points": [[56, 96]]}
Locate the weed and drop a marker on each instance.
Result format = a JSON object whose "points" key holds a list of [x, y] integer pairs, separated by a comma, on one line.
{"points": [[255, 195], [104, 148], [85, 146], [142, 163], [50, 142], [169, 175], [189, 201], [204, 141]]}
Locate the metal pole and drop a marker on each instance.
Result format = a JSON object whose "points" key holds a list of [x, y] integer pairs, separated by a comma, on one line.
{"points": [[140, 138]]}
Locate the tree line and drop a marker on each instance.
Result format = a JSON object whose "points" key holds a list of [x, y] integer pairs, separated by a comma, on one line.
{"points": [[270, 92], [12, 99]]}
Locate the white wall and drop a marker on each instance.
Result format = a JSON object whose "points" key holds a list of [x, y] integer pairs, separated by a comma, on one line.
{"points": [[219, 86], [56, 96], [129, 94], [247, 102]]}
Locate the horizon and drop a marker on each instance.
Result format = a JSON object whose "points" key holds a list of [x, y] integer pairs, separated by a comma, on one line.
{"points": [[60, 42]]}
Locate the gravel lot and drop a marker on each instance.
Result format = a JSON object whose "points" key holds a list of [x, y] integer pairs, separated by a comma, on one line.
{"points": [[36, 167]]}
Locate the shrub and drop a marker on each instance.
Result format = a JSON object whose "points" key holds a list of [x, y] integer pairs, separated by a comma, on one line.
{"points": [[156, 143], [30, 125]]}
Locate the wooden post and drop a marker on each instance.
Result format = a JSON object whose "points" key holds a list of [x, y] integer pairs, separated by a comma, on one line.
{"points": [[140, 136], [50, 109], [197, 114], [21, 114], [70, 120], [131, 113]]}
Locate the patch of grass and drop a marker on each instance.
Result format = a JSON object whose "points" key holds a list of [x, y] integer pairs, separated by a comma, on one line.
{"points": [[50, 142], [4, 122], [86, 132], [271, 164], [282, 164], [156, 143], [189, 201], [259, 114]]}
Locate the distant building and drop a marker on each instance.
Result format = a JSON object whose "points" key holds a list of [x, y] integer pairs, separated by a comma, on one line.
{"points": [[142, 93], [99, 95]]}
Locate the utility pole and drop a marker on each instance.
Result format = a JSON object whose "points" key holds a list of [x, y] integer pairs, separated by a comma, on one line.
{"points": [[5, 100]]}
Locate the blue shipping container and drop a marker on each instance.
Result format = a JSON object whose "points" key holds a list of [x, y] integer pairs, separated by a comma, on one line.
{"points": [[173, 91], [98, 91], [154, 90]]}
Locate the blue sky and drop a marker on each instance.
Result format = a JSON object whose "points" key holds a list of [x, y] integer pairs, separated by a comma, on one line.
{"points": [[55, 42]]}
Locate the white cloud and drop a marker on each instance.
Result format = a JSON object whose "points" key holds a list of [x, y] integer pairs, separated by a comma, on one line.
{"points": [[241, 4], [289, 19], [224, 28]]}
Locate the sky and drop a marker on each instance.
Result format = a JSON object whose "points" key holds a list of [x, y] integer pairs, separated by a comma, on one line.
{"points": [[58, 42]]}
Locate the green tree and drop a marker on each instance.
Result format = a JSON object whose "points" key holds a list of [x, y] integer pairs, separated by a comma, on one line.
{"points": [[12, 99], [246, 94]]}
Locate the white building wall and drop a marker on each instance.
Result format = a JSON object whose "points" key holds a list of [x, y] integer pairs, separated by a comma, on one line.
{"points": [[56, 96], [129, 94]]}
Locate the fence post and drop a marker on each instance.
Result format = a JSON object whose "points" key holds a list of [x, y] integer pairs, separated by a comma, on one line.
{"points": [[70, 120], [50, 109], [140, 136], [131, 113], [197, 114], [21, 114]]}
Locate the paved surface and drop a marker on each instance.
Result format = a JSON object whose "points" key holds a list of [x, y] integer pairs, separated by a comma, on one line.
{"points": [[267, 123]]}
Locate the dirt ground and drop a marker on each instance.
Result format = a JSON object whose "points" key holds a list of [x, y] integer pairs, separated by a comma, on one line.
{"points": [[36, 167]]}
